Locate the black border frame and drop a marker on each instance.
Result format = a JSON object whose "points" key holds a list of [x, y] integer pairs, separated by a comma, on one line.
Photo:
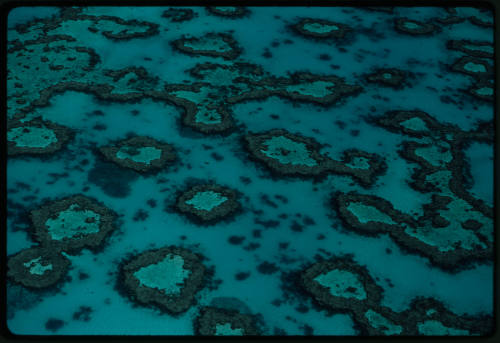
{"points": [[7, 5]]}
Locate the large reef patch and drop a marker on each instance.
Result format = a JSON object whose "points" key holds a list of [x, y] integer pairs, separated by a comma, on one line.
{"points": [[341, 285], [167, 278], [455, 229], [287, 154]]}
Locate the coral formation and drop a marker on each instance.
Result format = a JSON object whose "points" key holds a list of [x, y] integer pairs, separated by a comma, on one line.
{"points": [[287, 154], [473, 66], [208, 203], [473, 48], [232, 12], [320, 28], [167, 278], [178, 15], [301, 86], [441, 232], [37, 267], [414, 27], [391, 77], [211, 44], [35, 137], [342, 285], [140, 153], [214, 321], [72, 223]]}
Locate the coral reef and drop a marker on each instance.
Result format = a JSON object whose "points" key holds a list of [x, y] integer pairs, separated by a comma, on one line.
{"points": [[455, 229], [207, 203], [287, 154], [72, 223], [414, 27], [166, 278], [38, 267], [140, 153], [473, 48], [232, 12], [214, 321], [178, 15], [211, 44], [392, 77], [341, 285], [35, 137], [320, 28]]}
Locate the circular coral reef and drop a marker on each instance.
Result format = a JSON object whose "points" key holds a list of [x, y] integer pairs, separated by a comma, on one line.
{"points": [[368, 214], [208, 203], [72, 223], [391, 77], [233, 12], [178, 15], [483, 90], [287, 154], [211, 44], [214, 321], [472, 48], [140, 153], [341, 284], [412, 123], [320, 28], [38, 267], [473, 66], [35, 137], [414, 27], [166, 278]]}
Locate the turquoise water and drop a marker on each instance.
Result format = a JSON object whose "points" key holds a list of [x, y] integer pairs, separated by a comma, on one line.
{"points": [[79, 168]]}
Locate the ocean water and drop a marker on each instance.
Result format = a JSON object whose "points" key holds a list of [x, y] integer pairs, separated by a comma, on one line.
{"points": [[270, 204]]}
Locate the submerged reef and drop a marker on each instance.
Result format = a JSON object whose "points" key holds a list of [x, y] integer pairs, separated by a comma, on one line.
{"points": [[473, 48], [38, 267], [211, 44], [483, 90], [233, 12], [35, 137], [287, 154], [300, 86], [178, 15], [392, 77], [166, 278], [213, 321], [207, 203], [72, 223], [415, 27], [140, 153], [341, 285], [486, 20], [320, 28], [473, 66], [455, 229], [203, 109]]}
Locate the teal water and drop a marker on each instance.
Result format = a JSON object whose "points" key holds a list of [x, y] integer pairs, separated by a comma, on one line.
{"points": [[410, 275]]}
